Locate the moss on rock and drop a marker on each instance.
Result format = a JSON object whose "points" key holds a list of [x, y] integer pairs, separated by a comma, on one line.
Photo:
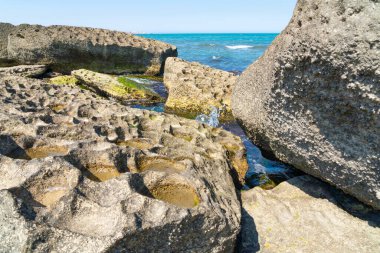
{"points": [[64, 80], [118, 87]]}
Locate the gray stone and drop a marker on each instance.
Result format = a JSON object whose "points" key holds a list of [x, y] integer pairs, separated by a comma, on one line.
{"points": [[195, 88], [306, 215], [80, 173], [24, 70], [313, 98], [66, 48]]}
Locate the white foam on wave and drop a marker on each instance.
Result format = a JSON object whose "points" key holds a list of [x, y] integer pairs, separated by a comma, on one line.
{"points": [[216, 57], [239, 47]]}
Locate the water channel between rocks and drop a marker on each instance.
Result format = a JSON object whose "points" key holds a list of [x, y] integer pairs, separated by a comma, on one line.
{"points": [[262, 172]]}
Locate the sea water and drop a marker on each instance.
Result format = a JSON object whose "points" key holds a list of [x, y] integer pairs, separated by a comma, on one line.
{"points": [[234, 53], [230, 52]]}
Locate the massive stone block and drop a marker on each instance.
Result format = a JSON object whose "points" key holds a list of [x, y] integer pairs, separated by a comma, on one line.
{"points": [[313, 98], [66, 48]]}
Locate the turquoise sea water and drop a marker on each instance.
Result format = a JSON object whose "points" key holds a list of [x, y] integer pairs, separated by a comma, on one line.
{"points": [[230, 52]]}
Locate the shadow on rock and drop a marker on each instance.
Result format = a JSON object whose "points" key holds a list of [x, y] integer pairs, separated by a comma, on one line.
{"points": [[248, 239], [342, 200]]}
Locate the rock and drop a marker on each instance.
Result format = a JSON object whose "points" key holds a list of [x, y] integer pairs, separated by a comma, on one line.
{"points": [[24, 70], [79, 173], [305, 215], [194, 88], [64, 80], [66, 48], [5, 28], [313, 98], [120, 88]]}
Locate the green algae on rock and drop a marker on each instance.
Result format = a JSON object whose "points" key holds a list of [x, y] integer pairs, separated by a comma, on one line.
{"points": [[64, 80], [120, 88]]}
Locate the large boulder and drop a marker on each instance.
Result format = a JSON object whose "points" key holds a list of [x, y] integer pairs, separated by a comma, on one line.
{"points": [[66, 48], [307, 215], [195, 88], [79, 173], [313, 98]]}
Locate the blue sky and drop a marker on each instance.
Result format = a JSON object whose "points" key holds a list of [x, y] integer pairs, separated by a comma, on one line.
{"points": [[154, 16]]}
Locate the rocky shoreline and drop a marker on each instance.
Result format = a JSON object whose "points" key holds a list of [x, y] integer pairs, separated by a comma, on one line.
{"points": [[82, 171]]}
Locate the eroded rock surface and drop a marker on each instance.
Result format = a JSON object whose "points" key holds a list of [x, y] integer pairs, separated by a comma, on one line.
{"points": [[79, 173], [195, 88], [24, 70], [66, 48], [313, 98], [306, 215]]}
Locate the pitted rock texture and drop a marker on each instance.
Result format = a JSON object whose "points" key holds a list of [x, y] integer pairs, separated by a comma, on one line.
{"points": [[195, 88], [120, 88], [66, 48], [24, 70], [313, 98], [307, 215], [79, 173]]}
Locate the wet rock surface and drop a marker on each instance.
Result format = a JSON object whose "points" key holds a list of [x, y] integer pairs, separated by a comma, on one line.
{"points": [[307, 215], [66, 48], [313, 98], [85, 174], [24, 70], [195, 88]]}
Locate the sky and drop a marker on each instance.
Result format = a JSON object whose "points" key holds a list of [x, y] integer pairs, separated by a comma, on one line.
{"points": [[155, 16]]}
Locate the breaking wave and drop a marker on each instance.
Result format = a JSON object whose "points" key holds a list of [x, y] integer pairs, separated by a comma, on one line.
{"points": [[239, 47]]}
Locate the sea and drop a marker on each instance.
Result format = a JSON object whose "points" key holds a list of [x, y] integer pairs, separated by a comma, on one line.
{"points": [[230, 52], [234, 53]]}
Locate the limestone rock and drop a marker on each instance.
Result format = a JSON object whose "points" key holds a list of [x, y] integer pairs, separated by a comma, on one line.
{"points": [[194, 88], [66, 48], [24, 70], [306, 215], [313, 97], [79, 173], [120, 88]]}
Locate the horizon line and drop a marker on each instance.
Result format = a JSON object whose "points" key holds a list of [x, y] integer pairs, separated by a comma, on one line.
{"points": [[163, 33], [136, 32]]}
